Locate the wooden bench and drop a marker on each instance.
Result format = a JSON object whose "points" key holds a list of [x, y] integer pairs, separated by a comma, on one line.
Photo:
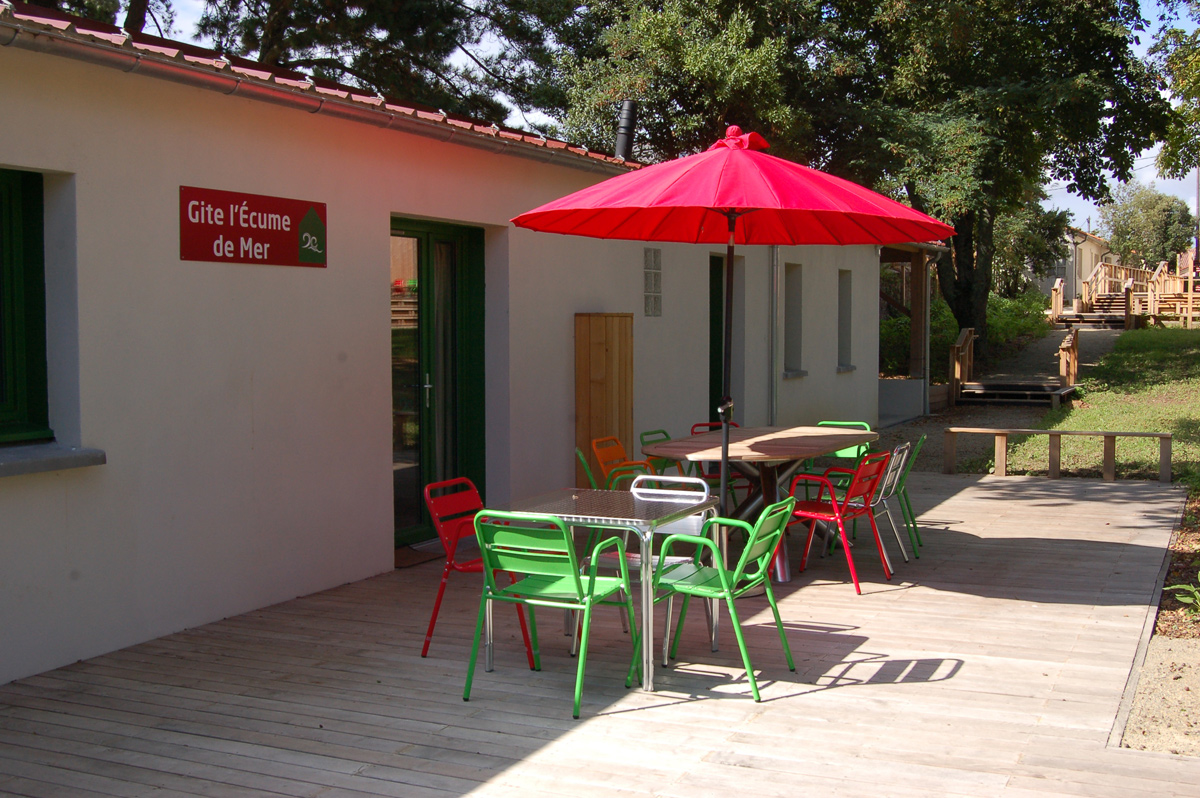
{"points": [[1109, 467]]}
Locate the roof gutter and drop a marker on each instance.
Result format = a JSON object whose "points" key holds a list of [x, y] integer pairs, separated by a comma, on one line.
{"points": [[54, 43]]}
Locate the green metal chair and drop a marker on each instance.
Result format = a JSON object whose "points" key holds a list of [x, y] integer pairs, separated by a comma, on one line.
{"points": [[717, 582], [540, 547], [661, 464], [587, 469], [901, 493]]}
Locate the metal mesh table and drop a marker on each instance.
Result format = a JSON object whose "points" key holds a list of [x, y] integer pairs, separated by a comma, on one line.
{"points": [[618, 509]]}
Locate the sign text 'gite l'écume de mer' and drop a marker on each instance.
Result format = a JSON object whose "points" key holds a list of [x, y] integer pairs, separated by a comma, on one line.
{"points": [[230, 227]]}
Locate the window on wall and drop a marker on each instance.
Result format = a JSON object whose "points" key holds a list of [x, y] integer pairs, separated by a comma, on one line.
{"points": [[652, 281], [793, 304], [845, 323], [24, 411]]}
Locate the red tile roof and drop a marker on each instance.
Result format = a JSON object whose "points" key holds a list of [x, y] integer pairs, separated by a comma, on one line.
{"points": [[143, 50]]}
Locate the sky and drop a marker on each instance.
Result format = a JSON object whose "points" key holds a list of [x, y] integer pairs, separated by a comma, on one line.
{"points": [[187, 13]]}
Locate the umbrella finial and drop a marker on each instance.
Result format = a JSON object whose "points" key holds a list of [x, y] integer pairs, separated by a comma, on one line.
{"points": [[735, 139]]}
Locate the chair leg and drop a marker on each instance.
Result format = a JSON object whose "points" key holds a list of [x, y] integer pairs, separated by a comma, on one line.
{"points": [[849, 557], [787, 650], [679, 625], [583, 643], [437, 605], [533, 641], [883, 558], [488, 661], [895, 529], [667, 628], [524, 630], [741, 641], [812, 530], [912, 520], [474, 648]]}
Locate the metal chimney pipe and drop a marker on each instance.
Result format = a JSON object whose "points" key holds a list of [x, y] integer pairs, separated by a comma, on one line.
{"points": [[626, 125]]}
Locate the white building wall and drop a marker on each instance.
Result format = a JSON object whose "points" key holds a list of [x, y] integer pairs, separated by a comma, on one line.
{"points": [[245, 410]]}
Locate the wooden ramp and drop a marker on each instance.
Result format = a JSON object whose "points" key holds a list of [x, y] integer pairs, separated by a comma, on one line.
{"points": [[994, 665]]}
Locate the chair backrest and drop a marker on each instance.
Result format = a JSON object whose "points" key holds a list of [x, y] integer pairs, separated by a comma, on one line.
{"points": [[452, 504], [526, 543], [912, 458], [610, 452], [657, 436], [709, 426], [891, 478], [626, 472], [764, 538], [850, 452], [669, 488], [866, 480], [587, 469]]}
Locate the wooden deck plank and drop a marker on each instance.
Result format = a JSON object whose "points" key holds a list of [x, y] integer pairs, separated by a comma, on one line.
{"points": [[992, 666]]}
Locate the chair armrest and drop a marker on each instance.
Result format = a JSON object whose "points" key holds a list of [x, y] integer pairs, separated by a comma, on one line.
{"points": [[839, 470], [607, 543], [702, 543], [823, 482]]}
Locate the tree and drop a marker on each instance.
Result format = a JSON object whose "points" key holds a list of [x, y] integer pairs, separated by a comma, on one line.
{"points": [[1030, 241], [1178, 53], [402, 47], [137, 12], [962, 107], [1145, 226]]}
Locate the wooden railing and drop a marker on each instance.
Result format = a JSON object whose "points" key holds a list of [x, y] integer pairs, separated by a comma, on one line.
{"points": [[1068, 360], [1056, 300], [1108, 467], [962, 362], [1110, 278], [1171, 296]]}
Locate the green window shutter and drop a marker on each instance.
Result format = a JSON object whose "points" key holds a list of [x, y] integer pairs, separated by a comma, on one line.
{"points": [[24, 411]]}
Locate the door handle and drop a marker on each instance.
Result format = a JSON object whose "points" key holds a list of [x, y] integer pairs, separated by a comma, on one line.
{"points": [[427, 386]]}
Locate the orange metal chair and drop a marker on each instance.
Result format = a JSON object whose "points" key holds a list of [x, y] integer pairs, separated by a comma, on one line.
{"points": [[857, 501], [452, 506], [610, 453]]}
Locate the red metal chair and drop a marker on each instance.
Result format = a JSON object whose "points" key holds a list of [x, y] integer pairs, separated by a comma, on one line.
{"points": [[452, 506], [864, 481]]}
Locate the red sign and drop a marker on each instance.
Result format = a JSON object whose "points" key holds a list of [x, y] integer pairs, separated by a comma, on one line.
{"points": [[230, 227]]}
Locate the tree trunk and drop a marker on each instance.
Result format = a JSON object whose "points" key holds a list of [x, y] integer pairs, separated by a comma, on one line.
{"points": [[965, 273], [273, 47], [135, 16]]}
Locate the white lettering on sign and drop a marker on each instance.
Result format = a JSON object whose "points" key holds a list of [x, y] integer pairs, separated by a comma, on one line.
{"points": [[223, 248], [245, 216], [203, 213], [253, 249]]}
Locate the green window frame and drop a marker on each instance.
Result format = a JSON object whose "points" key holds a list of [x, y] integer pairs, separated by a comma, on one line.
{"points": [[24, 408]]}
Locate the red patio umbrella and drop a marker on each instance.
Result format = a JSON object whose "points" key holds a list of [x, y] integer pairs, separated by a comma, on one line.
{"points": [[737, 194]]}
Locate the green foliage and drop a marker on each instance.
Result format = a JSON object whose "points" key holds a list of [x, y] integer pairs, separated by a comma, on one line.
{"points": [[1021, 316], [402, 47], [1029, 241], [1145, 226], [136, 12], [1148, 383], [692, 66], [1188, 595], [1177, 52], [894, 342]]}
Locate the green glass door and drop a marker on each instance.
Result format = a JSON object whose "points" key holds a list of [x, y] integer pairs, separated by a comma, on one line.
{"points": [[437, 364]]}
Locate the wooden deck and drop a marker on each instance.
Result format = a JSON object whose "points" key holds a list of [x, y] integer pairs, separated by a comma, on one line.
{"points": [[994, 665]]}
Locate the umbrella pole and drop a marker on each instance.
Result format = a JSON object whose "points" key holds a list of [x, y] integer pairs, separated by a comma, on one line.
{"points": [[725, 410]]}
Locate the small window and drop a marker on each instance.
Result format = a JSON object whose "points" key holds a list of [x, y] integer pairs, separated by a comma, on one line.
{"points": [[793, 314], [24, 411], [844, 308], [652, 281]]}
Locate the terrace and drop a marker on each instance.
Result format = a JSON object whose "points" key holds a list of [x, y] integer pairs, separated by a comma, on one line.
{"points": [[998, 664]]}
